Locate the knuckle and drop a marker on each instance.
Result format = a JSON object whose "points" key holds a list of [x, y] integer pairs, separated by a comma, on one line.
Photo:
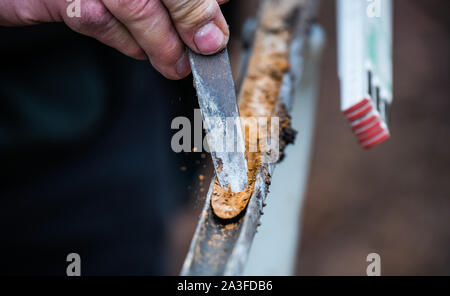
{"points": [[193, 12], [167, 53], [24, 13], [137, 9], [171, 55], [94, 17]]}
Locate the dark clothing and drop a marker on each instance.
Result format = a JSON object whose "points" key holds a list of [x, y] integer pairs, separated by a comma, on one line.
{"points": [[86, 165]]}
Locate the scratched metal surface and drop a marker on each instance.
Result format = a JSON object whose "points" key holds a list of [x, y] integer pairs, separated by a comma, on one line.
{"points": [[222, 247], [217, 99]]}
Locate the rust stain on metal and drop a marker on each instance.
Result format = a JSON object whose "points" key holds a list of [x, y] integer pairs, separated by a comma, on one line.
{"points": [[259, 98]]}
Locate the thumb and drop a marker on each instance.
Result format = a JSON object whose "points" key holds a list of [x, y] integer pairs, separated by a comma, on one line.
{"points": [[200, 24]]}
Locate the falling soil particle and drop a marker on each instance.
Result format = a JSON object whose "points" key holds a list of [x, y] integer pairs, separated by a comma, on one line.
{"points": [[259, 98]]}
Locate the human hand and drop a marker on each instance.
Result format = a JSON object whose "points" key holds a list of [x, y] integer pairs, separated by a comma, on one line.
{"points": [[158, 30]]}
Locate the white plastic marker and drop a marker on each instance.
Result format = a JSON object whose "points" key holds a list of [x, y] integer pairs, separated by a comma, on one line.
{"points": [[365, 67]]}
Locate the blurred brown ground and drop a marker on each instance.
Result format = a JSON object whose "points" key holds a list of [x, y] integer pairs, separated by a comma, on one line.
{"points": [[395, 199]]}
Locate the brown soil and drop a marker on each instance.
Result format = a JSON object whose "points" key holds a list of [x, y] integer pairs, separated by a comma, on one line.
{"points": [[259, 97]]}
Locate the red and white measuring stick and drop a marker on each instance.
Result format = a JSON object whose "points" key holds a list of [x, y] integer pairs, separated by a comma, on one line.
{"points": [[365, 67], [367, 124]]}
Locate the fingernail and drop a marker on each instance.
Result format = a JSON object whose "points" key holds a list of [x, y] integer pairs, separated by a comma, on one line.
{"points": [[183, 67], [209, 39]]}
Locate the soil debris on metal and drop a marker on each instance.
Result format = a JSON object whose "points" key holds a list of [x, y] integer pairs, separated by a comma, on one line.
{"points": [[259, 99]]}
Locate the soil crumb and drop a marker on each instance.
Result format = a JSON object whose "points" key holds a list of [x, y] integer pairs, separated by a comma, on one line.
{"points": [[259, 98]]}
